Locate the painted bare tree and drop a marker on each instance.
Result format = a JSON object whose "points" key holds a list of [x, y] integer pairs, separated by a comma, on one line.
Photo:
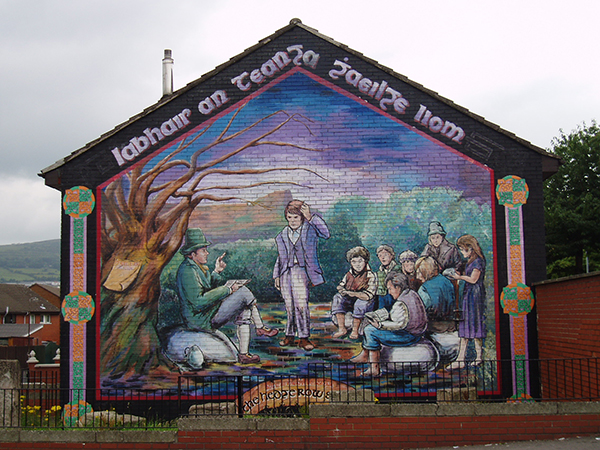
{"points": [[144, 218]]}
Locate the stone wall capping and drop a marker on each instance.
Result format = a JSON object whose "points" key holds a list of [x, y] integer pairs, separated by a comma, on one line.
{"points": [[143, 435], [281, 423], [10, 435], [451, 409], [215, 423], [355, 409], [57, 436], [339, 413], [247, 423], [413, 409], [110, 436], [456, 409], [136, 435], [578, 407], [505, 408]]}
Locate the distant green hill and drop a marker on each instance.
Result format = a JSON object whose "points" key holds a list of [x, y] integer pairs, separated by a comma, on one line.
{"points": [[31, 262]]}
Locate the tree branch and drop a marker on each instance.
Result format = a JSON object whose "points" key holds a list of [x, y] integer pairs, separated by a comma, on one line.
{"points": [[258, 171], [247, 186]]}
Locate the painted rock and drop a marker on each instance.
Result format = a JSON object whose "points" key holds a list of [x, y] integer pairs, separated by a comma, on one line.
{"points": [[447, 345], [420, 357], [214, 346]]}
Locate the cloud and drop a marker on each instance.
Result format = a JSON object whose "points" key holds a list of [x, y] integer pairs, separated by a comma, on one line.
{"points": [[71, 71], [31, 211]]}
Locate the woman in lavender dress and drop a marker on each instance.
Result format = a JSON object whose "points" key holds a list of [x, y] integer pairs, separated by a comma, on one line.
{"points": [[473, 304]]}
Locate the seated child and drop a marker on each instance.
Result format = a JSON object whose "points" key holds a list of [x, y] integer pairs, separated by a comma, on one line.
{"points": [[401, 323], [437, 293], [387, 256], [407, 259], [356, 292]]}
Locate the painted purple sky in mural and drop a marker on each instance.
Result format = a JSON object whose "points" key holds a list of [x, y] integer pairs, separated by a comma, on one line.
{"points": [[388, 156]]}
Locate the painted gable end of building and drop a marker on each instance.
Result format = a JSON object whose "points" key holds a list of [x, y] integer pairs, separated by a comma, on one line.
{"points": [[374, 159]]}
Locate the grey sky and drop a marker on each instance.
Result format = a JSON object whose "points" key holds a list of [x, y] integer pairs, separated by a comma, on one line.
{"points": [[72, 70]]}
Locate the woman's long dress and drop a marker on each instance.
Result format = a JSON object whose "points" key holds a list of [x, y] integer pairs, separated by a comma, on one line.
{"points": [[473, 325]]}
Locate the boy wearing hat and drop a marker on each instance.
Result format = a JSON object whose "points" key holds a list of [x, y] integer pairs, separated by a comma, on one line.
{"points": [[208, 304], [446, 254]]}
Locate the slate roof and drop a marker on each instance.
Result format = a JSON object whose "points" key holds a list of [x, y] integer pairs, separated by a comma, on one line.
{"points": [[8, 330], [48, 292], [550, 161], [21, 300], [52, 289]]}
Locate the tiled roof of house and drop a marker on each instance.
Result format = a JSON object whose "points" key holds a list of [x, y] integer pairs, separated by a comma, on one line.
{"points": [[55, 290], [8, 330], [16, 299]]}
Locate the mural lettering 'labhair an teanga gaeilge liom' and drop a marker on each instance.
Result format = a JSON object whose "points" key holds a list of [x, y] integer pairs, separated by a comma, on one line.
{"points": [[300, 225]]}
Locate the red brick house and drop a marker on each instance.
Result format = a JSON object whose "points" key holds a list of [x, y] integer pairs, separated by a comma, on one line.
{"points": [[26, 316], [47, 292]]}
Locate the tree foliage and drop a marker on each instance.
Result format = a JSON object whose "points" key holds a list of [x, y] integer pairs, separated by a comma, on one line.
{"points": [[572, 203]]}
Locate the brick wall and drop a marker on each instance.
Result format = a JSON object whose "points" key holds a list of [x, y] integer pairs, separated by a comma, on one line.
{"points": [[339, 426], [51, 331], [378, 174], [568, 314]]}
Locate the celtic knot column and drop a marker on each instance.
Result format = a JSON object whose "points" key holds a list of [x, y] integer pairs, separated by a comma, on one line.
{"points": [[78, 306], [516, 298]]}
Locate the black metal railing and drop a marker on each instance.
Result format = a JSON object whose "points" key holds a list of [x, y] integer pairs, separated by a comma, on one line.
{"points": [[573, 379], [41, 403]]}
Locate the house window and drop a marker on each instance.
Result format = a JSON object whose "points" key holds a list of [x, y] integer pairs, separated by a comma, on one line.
{"points": [[32, 318], [45, 318], [10, 318]]}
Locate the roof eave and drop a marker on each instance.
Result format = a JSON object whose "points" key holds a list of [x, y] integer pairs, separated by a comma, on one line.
{"points": [[52, 174]]}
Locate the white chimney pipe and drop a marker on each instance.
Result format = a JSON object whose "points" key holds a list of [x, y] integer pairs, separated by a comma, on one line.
{"points": [[167, 73]]}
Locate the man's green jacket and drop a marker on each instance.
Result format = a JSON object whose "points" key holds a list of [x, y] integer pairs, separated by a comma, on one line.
{"points": [[199, 294]]}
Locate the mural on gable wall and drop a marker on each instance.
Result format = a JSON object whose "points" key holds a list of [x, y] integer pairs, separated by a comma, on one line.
{"points": [[198, 258]]}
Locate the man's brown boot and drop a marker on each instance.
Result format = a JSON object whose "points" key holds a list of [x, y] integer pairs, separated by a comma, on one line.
{"points": [[287, 341], [306, 344]]}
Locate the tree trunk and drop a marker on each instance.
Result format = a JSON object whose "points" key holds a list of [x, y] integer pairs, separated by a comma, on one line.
{"points": [[579, 261], [128, 335], [140, 224]]}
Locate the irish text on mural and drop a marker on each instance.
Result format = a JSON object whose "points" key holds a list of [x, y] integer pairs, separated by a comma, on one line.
{"points": [[294, 54], [152, 136], [386, 95], [438, 125]]}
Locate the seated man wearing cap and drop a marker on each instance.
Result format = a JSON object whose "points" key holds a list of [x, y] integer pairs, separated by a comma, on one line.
{"points": [[208, 304]]}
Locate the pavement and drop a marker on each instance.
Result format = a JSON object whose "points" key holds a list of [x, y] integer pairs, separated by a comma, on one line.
{"points": [[578, 443]]}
